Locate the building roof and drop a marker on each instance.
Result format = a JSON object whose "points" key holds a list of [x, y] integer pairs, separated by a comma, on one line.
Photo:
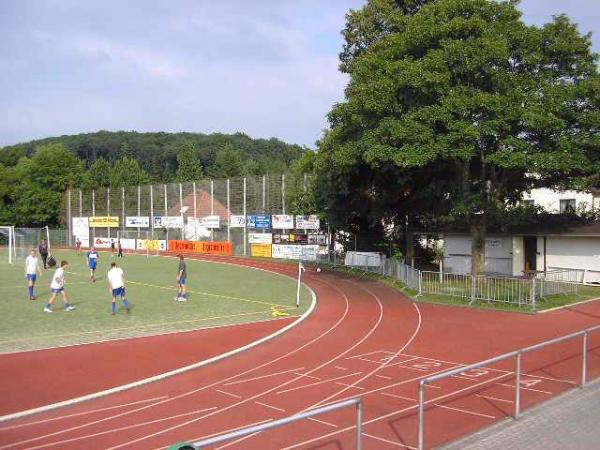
{"points": [[203, 201]]}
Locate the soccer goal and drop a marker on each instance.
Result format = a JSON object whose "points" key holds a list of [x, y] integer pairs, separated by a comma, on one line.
{"points": [[7, 243]]}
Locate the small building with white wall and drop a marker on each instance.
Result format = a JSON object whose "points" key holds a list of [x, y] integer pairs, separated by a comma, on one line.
{"points": [[576, 249]]}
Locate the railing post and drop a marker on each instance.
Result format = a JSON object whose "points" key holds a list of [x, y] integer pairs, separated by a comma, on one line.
{"points": [[359, 421], [421, 445], [584, 360], [518, 387], [420, 282]]}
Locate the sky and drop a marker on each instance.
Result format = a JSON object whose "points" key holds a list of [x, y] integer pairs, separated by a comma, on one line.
{"points": [[268, 68]]}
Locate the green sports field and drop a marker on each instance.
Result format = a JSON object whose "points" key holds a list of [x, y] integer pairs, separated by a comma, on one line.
{"points": [[218, 294]]}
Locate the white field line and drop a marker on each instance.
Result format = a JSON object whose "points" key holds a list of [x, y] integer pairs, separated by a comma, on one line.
{"points": [[488, 397], [262, 376], [92, 411], [315, 369], [526, 388], [270, 406], [367, 354], [304, 386], [333, 425], [306, 376], [465, 411], [387, 394], [115, 430], [229, 394], [166, 375], [399, 363], [384, 377], [377, 438], [340, 368], [351, 386]]}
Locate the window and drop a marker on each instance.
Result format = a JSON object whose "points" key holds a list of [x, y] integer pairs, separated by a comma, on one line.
{"points": [[528, 203], [567, 205]]}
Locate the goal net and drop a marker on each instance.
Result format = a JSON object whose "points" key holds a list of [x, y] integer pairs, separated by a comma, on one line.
{"points": [[7, 243], [26, 239]]}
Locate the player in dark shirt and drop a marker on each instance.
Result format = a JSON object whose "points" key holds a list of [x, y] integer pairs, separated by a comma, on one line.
{"points": [[43, 250], [181, 279]]}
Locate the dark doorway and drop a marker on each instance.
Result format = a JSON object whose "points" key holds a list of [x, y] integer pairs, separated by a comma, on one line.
{"points": [[530, 244]]}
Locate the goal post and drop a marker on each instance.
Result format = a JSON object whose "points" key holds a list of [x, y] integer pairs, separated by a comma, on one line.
{"points": [[7, 243]]}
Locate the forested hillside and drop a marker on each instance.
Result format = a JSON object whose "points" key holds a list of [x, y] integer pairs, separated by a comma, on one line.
{"points": [[33, 175]]}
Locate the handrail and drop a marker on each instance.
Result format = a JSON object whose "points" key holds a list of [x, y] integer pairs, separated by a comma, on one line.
{"points": [[514, 353], [286, 420]]}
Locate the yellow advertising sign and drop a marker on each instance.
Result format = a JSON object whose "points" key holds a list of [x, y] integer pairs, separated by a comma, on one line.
{"points": [[261, 250], [104, 222]]}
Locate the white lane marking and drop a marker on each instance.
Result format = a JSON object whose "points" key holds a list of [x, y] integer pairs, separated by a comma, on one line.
{"points": [[433, 386], [176, 371], [377, 438], [91, 411], [304, 386], [269, 406], [367, 354], [390, 414], [387, 394], [114, 430], [488, 397], [201, 438], [369, 360], [351, 386], [333, 425], [229, 394], [340, 368], [473, 413], [262, 376], [306, 376], [384, 377], [403, 362], [525, 388]]}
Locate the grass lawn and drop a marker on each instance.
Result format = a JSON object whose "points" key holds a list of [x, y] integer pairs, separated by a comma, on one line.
{"points": [[218, 294]]}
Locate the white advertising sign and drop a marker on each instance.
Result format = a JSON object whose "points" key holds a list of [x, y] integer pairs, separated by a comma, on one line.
{"points": [[168, 222], [81, 226], [85, 241], [127, 244], [237, 221], [101, 242], [210, 222], [260, 238], [137, 221], [141, 244], [307, 222], [282, 222], [294, 251]]}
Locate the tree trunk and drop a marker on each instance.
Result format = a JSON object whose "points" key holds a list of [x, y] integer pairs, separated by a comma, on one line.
{"points": [[409, 254], [478, 234]]}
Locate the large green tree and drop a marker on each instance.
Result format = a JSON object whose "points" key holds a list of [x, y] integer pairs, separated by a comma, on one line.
{"points": [[99, 174], [127, 172], [189, 167], [467, 86], [228, 163]]}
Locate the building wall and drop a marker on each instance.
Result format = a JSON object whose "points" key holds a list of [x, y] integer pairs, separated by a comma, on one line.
{"points": [[580, 253], [498, 254], [550, 200], [518, 255]]}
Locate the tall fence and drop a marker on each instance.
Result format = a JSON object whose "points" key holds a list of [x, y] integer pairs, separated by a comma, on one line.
{"points": [[204, 210]]}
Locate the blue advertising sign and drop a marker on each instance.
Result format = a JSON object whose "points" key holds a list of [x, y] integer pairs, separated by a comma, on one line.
{"points": [[262, 221]]}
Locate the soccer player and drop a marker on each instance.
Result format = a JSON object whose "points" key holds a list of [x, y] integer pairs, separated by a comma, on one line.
{"points": [[116, 285], [78, 246], [181, 279], [112, 248], [32, 268], [43, 250], [92, 258], [58, 285], [119, 249]]}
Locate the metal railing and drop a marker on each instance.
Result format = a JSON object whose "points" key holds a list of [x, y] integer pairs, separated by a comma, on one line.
{"points": [[517, 355], [287, 420]]}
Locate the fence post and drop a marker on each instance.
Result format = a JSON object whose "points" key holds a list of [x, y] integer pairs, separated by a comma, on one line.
{"points": [[533, 293], [181, 211], [122, 208], [264, 193], [584, 360], [421, 445], [283, 193], [473, 281], [152, 211], [212, 207], [228, 211], [359, 420], [245, 219], [69, 222], [420, 275], [195, 211], [518, 387]]}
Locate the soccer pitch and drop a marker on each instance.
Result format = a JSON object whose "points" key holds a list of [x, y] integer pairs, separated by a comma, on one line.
{"points": [[218, 294]]}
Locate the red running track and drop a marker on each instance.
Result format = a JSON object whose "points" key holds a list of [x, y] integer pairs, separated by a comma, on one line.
{"points": [[362, 339]]}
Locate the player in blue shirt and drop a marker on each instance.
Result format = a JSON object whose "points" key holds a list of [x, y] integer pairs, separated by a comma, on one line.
{"points": [[92, 258]]}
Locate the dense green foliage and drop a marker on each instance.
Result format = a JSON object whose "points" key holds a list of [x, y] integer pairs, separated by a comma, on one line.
{"points": [[456, 108], [34, 175]]}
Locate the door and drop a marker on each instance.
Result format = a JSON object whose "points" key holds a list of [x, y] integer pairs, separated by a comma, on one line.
{"points": [[530, 244]]}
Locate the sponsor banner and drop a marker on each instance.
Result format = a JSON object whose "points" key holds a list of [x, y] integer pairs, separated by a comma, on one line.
{"points": [[168, 222], [283, 221], [260, 238], [260, 250], [259, 221], [210, 222], [151, 244], [137, 221], [127, 244], [101, 242], [305, 252], [211, 248], [81, 226], [104, 222], [307, 222], [237, 221]]}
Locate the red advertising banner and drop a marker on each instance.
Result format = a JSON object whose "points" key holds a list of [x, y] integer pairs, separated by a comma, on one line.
{"points": [[210, 248]]}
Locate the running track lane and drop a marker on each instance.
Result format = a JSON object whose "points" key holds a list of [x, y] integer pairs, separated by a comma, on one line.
{"points": [[231, 394]]}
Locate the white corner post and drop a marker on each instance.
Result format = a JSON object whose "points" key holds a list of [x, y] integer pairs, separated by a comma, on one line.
{"points": [[298, 287], [245, 220]]}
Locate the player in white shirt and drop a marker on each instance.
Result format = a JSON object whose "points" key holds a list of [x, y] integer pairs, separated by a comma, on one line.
{"points": [[116, 286], [32, 269], [58, 285]]}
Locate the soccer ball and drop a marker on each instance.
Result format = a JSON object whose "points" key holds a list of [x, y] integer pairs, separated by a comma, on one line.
{"points": [[318, 269]]}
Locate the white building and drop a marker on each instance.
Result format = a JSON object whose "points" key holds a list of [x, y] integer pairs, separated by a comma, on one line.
{"points": [[561, 201]]}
